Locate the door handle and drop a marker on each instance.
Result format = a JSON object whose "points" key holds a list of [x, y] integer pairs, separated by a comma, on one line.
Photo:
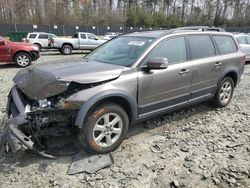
{"points": [[217, 64], [184, 71]]}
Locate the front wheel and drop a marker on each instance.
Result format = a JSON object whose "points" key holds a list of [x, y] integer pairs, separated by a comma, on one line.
{"points": [[224, 92], [105, 129], [22, 60]]}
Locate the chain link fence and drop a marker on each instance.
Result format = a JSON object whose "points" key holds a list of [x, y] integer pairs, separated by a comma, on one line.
{"points": [[67, 30]]}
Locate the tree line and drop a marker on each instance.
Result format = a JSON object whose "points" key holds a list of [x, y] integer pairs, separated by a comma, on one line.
{"points": [[147, 13]]}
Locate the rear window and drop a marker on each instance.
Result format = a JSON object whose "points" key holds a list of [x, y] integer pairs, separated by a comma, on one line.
{"points": [[201, 46], [83, 36], [32, 36], [43, 36], [225, 44], [248, 39], [242, 40]]}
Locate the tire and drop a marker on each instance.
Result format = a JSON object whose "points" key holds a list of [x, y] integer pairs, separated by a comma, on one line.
{"points": [[66, 50], [95, 138], [224, 92], [22, 59], [39, 47]]}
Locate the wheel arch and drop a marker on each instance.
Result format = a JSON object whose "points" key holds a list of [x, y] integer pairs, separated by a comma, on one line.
{"points": [[68, 43], [18, 52], [232, 74], [128, 103], [37, 43]]}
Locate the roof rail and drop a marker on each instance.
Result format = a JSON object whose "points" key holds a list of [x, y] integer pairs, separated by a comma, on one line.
{"points": [[197, 28]]}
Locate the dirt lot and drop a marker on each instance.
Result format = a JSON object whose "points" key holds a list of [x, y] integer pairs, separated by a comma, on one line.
{"points": [[195, 147]]}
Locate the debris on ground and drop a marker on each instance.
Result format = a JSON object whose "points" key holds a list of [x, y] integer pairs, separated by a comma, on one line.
{"points": [[90, 163]]}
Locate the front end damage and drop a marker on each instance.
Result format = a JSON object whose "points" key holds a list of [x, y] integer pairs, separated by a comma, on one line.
{"points": [[28, 123], [44, 102]]}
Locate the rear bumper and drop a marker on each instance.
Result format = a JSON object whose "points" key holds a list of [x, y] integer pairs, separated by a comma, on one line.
{"points": [[13, 137], [247, 57]]}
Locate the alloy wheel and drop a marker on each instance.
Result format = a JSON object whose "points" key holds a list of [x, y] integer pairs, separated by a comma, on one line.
{"points": [[23, 60], [107, 129], [226, 92]]}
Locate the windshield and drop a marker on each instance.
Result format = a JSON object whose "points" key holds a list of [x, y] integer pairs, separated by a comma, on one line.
{"points": [[122, 51]]}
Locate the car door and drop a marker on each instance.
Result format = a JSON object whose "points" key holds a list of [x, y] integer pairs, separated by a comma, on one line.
{"points": [[43, 39], [5, 55], [166, 88], [206, 66], [93, 41]]}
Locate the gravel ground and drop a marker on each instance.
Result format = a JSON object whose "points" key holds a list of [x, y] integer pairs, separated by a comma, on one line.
{"points": [[195, 147]]}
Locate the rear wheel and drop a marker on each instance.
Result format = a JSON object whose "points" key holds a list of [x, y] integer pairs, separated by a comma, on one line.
{"points": [[66, 50], [22, 60], [105, 129], [39, 47], [224, 93]]}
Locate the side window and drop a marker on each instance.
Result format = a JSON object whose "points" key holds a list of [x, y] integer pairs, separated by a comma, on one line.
{"points": [[32, 36], [43, 36], [91, 36], [248, 39], [173, 49], [83, 36], [242, 40], [225, 44], [52, 36], [200, 46]]}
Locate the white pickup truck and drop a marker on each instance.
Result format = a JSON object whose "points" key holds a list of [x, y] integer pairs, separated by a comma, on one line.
{"points": [[79, 41]]}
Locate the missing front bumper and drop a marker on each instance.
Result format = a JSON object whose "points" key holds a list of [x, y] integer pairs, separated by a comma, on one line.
{"points": [[13, 138]]}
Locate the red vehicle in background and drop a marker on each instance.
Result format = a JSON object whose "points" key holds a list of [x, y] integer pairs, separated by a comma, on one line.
{"points": [[22, 54]]}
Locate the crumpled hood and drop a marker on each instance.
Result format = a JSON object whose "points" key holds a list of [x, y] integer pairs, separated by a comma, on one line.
{"points": [[48, 79]]}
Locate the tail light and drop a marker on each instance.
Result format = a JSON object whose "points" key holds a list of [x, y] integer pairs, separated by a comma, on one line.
{"points": [[244, 59]]}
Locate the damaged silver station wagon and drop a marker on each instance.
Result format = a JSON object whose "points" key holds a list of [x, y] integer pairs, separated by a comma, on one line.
{"points": [[126, 80]]}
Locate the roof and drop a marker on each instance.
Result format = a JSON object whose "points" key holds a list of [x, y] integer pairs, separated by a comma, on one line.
{"points": [[240, 34], [154, 34], [161, 33]]}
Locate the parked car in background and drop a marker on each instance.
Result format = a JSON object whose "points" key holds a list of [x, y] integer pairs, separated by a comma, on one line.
{"points": [[109, 37], [22, 54], [40, 39], [129, 79], [79, 41], [244, 42]]}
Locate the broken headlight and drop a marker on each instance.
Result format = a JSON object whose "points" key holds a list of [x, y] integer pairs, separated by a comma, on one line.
{"points": [[45, 103]]}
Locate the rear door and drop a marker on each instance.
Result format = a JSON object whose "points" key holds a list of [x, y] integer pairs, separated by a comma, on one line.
{"points": [[164, 89], [206, 67], [5, 55]]}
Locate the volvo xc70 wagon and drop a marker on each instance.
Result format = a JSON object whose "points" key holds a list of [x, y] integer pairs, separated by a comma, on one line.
{"points": [[126, 80]]}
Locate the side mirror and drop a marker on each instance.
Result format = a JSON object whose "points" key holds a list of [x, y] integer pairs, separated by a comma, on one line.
{"points": [[96, 38], [157, 63], [2, 42]]}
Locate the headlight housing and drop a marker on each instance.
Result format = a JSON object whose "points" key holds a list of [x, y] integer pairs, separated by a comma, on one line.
{"points": [[35, 48]]}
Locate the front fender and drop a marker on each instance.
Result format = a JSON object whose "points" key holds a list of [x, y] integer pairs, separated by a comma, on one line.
{"points": [[83, 112]]}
